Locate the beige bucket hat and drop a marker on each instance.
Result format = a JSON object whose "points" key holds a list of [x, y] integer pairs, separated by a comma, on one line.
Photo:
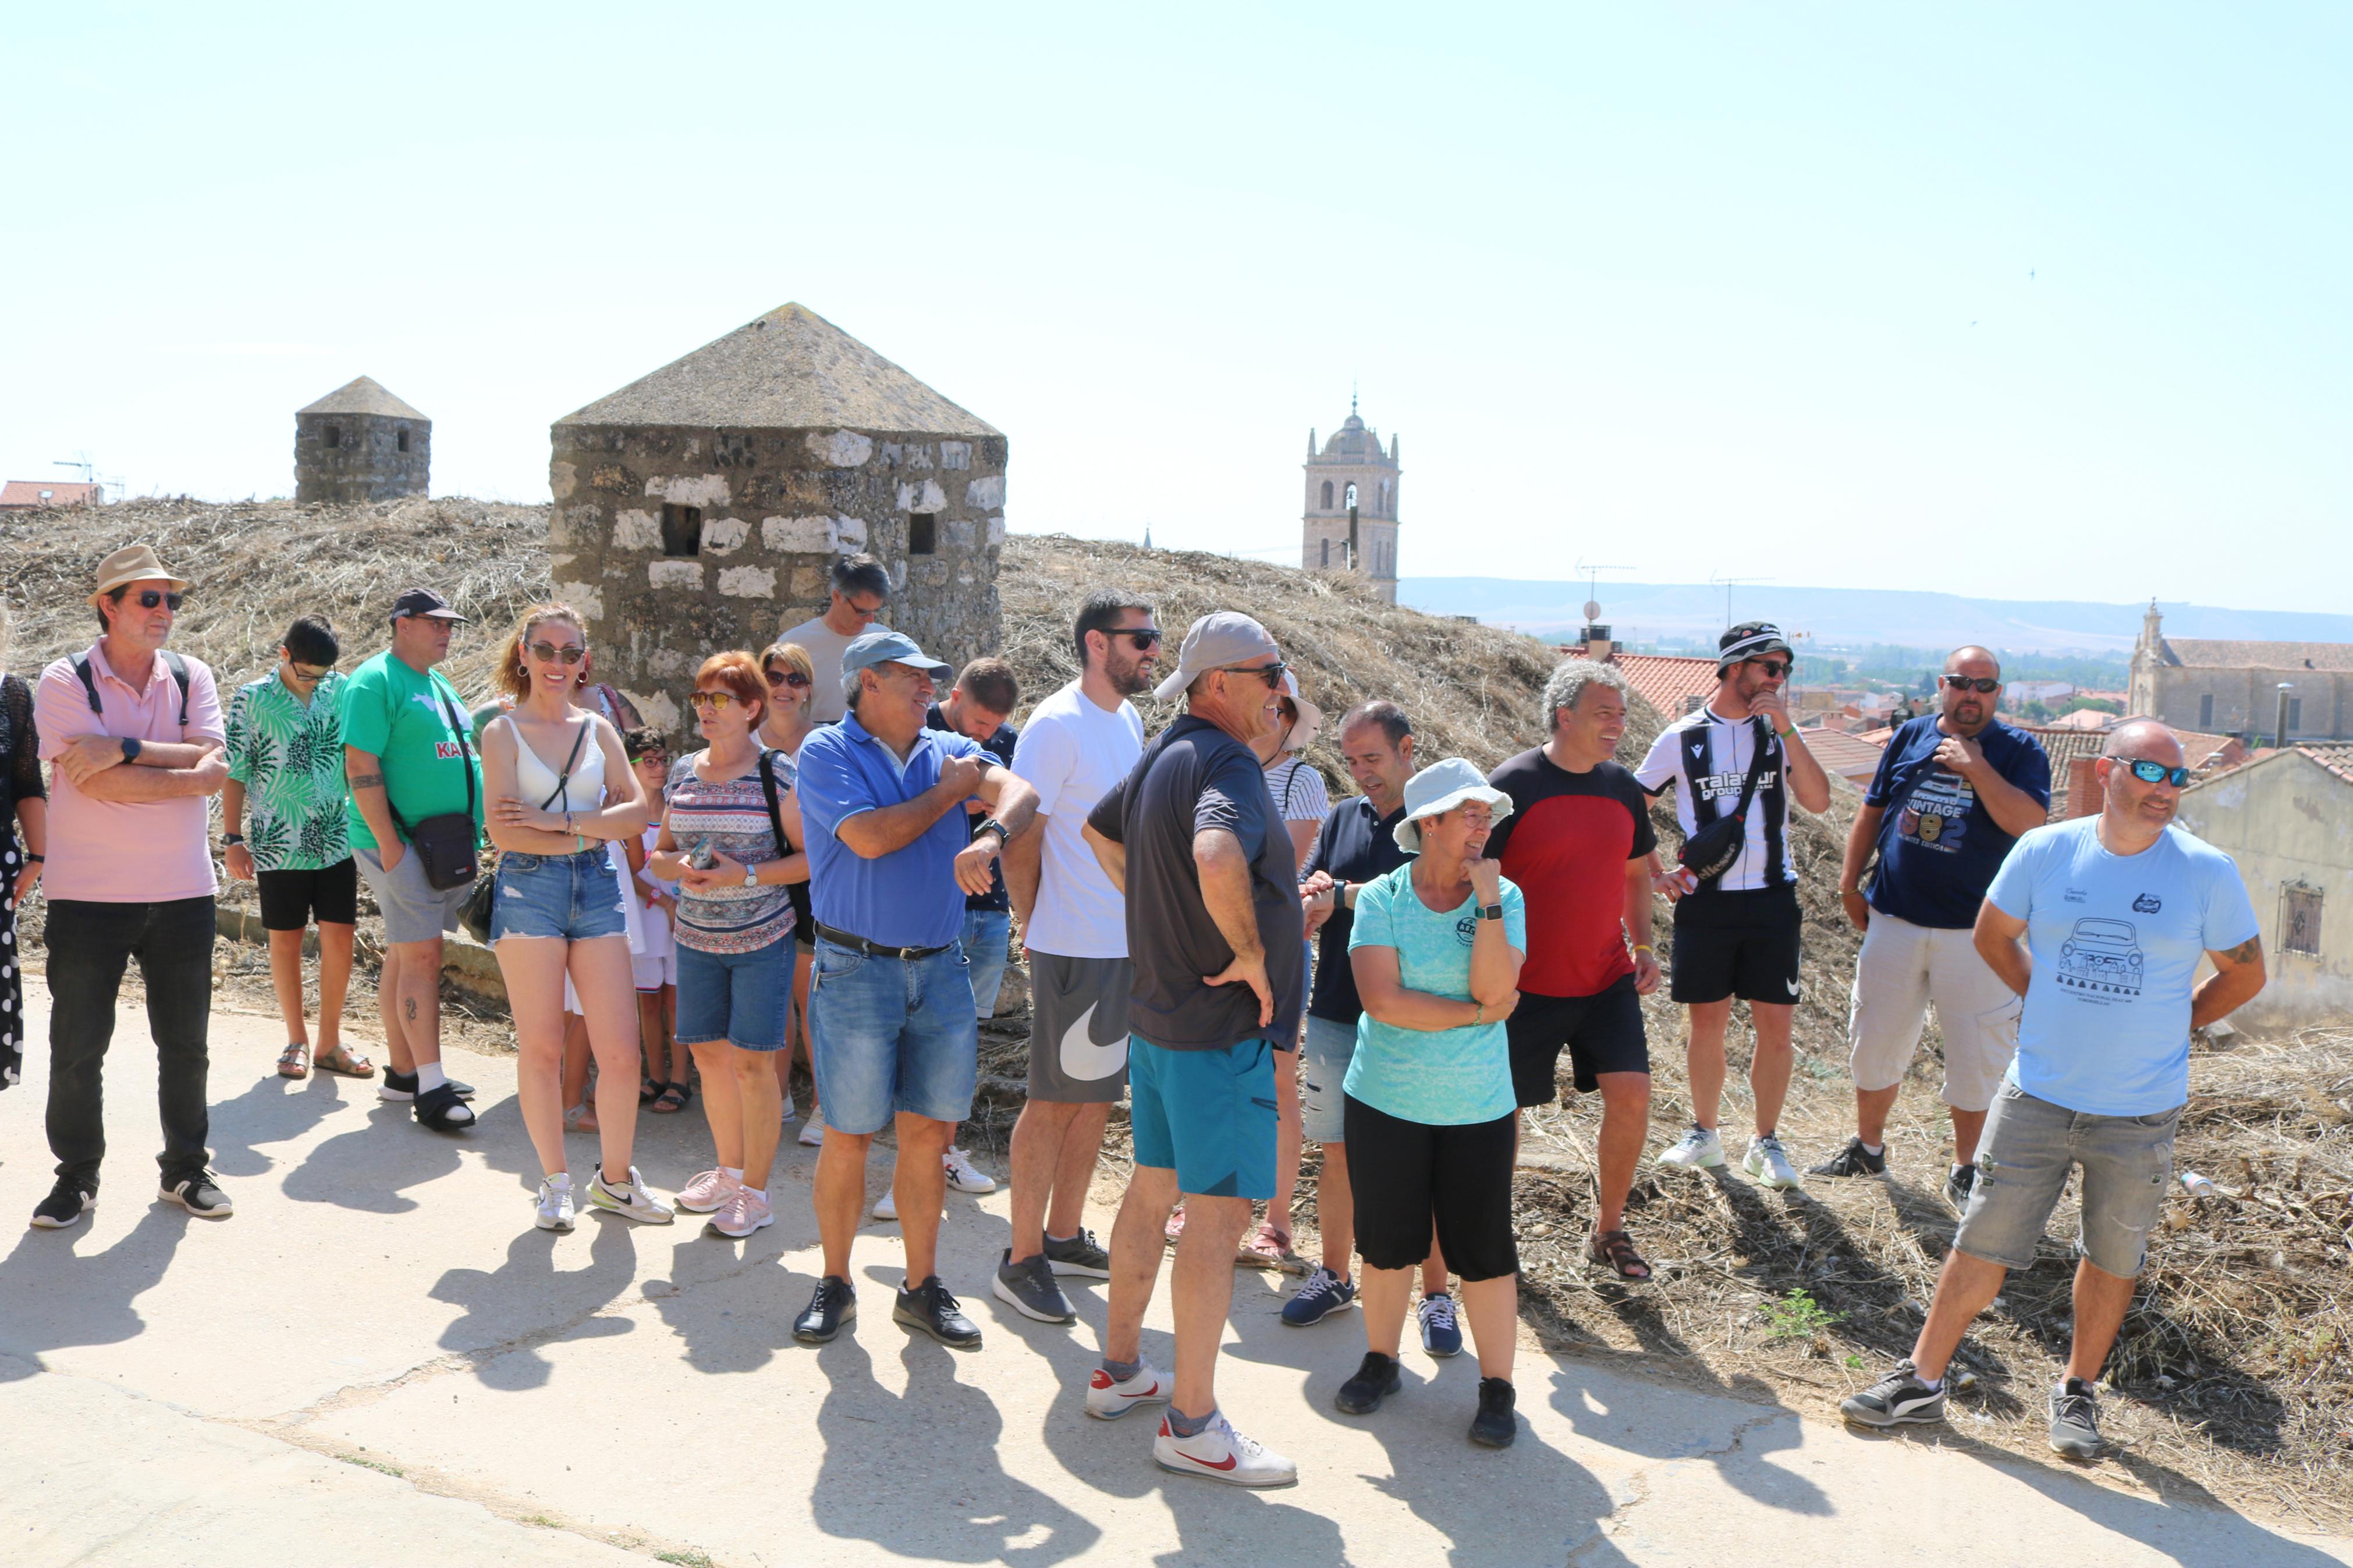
{"points": [[132, 564]]}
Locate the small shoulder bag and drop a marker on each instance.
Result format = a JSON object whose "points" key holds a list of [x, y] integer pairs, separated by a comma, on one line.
{"points": [[444, 844], [1711, 851]]}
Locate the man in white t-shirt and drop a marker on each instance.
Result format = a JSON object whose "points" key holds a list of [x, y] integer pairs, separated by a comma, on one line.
{"points": [[1078, 745], [1736, 932], [861, 591]]}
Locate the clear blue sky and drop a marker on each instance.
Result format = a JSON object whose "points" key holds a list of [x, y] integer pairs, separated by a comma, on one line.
{"points": [[1694, 291]]}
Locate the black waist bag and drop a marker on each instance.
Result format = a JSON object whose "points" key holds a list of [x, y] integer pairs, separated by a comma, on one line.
{"points": [[444, 844], [1711, 850]]}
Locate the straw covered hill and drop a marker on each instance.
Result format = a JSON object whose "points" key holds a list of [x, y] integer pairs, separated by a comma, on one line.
{"points": [[2234, 1375]]}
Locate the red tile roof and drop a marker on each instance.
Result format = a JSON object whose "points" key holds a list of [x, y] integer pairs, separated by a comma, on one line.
{"points": [[1667, 682], [28, 494], [1850, 757]]}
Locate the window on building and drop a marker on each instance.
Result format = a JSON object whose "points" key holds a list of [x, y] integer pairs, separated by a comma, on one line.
{"points": [[402, 439], [922, 533], [1351, 501], [2206, 711], [333, 436], [1327, 495], [2300, 919], [681, 529], [2295, 715], [1326, 562]]}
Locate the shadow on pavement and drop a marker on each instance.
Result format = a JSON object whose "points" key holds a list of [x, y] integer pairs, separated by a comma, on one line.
{"points": [[57, 1296]]}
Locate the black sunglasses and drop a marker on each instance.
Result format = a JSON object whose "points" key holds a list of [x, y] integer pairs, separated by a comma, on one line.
{"points": [[151, 598], [1773, 668], [1980, 683], [792, 677], [2155, 772], [1271, 673], [1144, 641]]}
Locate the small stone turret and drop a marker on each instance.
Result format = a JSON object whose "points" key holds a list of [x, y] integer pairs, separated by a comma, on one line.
{"points": [[360, 443]]}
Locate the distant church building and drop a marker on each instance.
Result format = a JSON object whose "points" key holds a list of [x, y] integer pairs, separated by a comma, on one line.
{"points": [[360, 443], [2233, 687], [1351, 520]]}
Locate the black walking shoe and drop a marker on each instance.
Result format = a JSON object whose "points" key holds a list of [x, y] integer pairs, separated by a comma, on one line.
{"points": [[2076, 1421], [440, 1108], [929, 1309], [1029, 1288], [833, 1308], [1376, 1379], [1958, 1185], [65, 1206], [1854, 1160], [1899, 1399], [1494, 1426], [198, 1195], [401, 1087]]}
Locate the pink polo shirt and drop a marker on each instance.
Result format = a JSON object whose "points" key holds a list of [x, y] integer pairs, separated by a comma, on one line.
{"points": [[126, 852]]}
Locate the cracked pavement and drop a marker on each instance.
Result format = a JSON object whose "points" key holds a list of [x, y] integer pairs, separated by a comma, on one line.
{"points": [[378, 1359]]}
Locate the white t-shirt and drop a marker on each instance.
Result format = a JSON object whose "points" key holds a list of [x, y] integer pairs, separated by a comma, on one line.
{"points": [[825, 647], [1073, 753], [1706, 757]]}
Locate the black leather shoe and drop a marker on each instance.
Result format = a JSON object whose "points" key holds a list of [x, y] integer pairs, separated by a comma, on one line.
{"points": [[830, 1311], [440, 1108], [929, 1309], [1494, 1426], [1375, 1381]]}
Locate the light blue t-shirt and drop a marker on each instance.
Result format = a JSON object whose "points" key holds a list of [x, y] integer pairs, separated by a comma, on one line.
{"points": [[2116, 941], [1444, 1077]]}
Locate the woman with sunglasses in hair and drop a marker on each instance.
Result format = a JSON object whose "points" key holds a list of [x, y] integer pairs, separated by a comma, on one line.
{"points": [[560, 790], [791, 676], [732, 860]]}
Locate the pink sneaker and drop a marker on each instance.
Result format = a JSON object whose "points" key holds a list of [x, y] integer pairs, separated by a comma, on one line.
{"points": [[707, 1193], [745, 1212]]}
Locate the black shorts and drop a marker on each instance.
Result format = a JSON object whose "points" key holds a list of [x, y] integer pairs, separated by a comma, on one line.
{"points": [[1603, 1033], [1741, 944], [1407, 1175], [292, 900]]}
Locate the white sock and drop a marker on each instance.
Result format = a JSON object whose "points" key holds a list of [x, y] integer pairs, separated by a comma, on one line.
{"points": [[1072, 1237], [1930, 1383], [1874, 1150], [732, 1173], [429, 1076], [759, 1192]]}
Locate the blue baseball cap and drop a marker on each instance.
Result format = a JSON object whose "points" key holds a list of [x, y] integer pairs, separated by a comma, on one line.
{"points": [[883, 647]]}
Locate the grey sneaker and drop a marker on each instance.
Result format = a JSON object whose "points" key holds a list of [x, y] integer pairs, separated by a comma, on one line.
{"points": [[199, 1197], [1079, 1254], [1700, 1149], [1028, 1287], [2076, 1421], [1854, 1160], [1899, 1399]]}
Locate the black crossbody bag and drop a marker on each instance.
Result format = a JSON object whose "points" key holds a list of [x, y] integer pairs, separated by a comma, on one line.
{"points": [[1710, 851], [445, 845]]}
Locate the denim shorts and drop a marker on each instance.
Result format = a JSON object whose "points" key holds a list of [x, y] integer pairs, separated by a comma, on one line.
{"points": [[575, 896], [1323, 1068], [2028, 1147], [738, 998], [889, 1036], [1207, 1115], [987, 934]]}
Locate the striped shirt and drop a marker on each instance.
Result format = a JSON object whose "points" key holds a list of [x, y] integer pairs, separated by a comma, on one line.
{"points": [[733, 815], [1706, 757]]}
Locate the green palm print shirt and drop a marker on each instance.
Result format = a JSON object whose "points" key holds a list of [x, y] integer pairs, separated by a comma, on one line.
{"points": [[289, 755]]}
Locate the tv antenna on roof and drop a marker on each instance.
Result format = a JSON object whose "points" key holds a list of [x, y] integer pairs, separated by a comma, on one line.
{"points": [[87, 465], [1728, 584], [1592, 592]]}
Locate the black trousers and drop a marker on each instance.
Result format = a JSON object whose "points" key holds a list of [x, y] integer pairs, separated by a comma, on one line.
{"points": [[1408, 1175], [89, 946]]}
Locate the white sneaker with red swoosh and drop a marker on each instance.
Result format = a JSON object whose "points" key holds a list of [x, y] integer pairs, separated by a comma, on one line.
{"points": [[1108, 1401], [1219, 1453]]}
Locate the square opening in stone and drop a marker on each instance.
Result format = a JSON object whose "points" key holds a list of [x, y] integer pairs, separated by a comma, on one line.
{"points": [[681, 529], [333, 436], [404, 438], [922, 533]]}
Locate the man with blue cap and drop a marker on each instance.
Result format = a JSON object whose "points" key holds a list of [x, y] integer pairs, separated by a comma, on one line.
{"points": [[891, 1013]]}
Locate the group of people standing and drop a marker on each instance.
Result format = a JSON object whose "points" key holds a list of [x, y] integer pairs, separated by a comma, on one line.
{"points": [[847, 857]]}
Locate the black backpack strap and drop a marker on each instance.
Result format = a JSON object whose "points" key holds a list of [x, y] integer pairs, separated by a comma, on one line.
{"points": [[465, 750], [775, 811], [89, 683], [172, 661]]}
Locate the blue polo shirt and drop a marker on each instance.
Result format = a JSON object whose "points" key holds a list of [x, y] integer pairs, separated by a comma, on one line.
{"points": [[908, 898], [1938, 846]]}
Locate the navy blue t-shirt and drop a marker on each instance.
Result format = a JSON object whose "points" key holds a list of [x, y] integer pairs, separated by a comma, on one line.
{"points": [[1353, 846], [1000, 746], [1938, 846]]}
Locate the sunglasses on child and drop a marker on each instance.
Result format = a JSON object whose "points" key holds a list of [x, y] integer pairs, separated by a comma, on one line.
{"points": [[1982, 683], [569, 653], [2155, 772], [792, 677]]}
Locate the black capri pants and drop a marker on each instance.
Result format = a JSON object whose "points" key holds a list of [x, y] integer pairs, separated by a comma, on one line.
{"points": [[1407, 1174]]}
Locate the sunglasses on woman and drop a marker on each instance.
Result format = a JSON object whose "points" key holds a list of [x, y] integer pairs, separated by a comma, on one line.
{"points": [[792, 677], [151, 598], [717, 702], [2155, 772], [1983, 683], [570, 653]]}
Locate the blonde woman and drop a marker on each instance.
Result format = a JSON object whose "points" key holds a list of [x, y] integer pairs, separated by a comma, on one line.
{"points": [[560, 789], [791, 679]]}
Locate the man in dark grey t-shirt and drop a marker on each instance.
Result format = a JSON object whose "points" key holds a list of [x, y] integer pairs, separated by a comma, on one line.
{"points": [[1214, 934]]}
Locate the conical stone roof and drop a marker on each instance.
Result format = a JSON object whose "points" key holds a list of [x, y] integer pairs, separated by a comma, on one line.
{"points": [[790, 370], [362, 395]]}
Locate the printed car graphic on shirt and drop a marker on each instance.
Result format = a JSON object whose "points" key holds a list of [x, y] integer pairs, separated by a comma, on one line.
{"points": [[2102, 956]]}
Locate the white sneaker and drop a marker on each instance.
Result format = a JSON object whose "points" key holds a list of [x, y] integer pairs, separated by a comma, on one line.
{"points": [[1700, 1148], [813, 1130], [636, 1204], [1108, 1401], [1219, 1453], [554, 1206], [787, 1115], [963, 1175], [1769, 1162], [887, 1205]]}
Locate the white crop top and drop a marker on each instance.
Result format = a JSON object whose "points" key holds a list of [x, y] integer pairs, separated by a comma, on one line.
{"points": [[585, 791]]}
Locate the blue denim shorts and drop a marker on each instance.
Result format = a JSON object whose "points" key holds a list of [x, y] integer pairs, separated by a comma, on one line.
{"points": [[738, 998], [892, 1035], [986, 935], [575, 896], [1207, 1115]]}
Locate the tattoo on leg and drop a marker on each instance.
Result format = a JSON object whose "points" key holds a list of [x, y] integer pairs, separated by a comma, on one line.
{"points": [[409, 1007]]}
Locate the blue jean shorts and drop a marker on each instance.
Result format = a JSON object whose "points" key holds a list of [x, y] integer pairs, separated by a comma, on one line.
{"points": [[1207, 1115], [1323, 1068], [2028, 1147], [888, 1036], [987, 934], [738, 998], [575, 896]]}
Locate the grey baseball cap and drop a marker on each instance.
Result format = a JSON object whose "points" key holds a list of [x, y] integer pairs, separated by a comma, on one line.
{"points": [[1216, 640], [881, 647]]}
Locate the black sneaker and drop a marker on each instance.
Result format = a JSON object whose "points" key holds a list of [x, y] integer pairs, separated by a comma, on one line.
{"points": [[833, 1308], [2076, 1421], [1494, 1426], [401, 1087], [1958, 1185], [440, 1108], [929, 1309], [65, 1206], [198, 1195], [1078, 1254], [1854, 1160], [1028, 1287], [1376, 1379], [1899, 1399]]}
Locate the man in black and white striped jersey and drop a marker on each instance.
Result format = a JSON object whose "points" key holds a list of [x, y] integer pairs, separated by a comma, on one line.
{"points": [[1736, 933]]}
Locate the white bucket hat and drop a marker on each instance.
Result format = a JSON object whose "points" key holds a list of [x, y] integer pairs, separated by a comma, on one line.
{"points": [[1439, 789], [1310, 718]]}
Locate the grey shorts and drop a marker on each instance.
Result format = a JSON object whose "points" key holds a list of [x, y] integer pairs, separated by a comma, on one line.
{"points": [[1324, 1062], [2028, 1147], [1078, 1028], [413, 911]]}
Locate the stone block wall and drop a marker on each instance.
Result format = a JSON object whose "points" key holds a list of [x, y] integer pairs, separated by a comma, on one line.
{"points": [[365, 463], [678, 544]]}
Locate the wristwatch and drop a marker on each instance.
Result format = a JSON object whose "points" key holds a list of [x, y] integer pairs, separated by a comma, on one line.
{"points": [[990, 825], [129, 748], [751, 876], [229, 838], [1491, 911]]}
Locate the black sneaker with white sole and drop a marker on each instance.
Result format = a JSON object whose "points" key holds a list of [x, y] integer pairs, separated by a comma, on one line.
{"points": [[401, 1087], [1080, 1254], [1899, 1399], [1854, 1160], [2076, 1421], [65, 1206], [199, 1195], [833, 1307], [1375, 1378], [1028, 1287], [440, 1108], [1958, 1185], [928, 1309]]}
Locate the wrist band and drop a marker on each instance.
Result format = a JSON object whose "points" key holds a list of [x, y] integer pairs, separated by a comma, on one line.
{"points": [[36, 858], [1478, 1013], [1645, 947]]}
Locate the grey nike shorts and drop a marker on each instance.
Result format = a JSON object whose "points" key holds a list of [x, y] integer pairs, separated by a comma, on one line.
{"points": [[1078, 1028]]}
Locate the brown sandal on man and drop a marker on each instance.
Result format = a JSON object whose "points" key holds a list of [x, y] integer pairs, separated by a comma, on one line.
{"points": [[294, 1061], [341, 1063], [1614, 1249]]}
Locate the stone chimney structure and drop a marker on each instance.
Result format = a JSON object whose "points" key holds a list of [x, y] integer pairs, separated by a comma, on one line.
{"points": [[360, 443]]}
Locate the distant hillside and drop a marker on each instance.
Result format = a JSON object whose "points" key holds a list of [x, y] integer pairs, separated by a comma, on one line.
{"points": [[1852, 617]]}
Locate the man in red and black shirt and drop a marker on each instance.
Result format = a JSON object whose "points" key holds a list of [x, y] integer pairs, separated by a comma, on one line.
{"points": [[1579, 845]]}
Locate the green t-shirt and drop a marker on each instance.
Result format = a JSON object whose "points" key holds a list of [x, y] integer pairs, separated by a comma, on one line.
{"points": [[403, 718], [289, 755]]}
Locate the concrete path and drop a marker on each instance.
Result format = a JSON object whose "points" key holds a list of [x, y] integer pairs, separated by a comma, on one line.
{"points": [[380, 1360]]}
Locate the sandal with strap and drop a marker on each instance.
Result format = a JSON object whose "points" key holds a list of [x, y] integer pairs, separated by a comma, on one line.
{"points": [[1268, 1247], [1614, 1249], [672, 1098], [1174, 1231], [341, 1062], [581, 1119], [650, 1089], [294, 1061]]}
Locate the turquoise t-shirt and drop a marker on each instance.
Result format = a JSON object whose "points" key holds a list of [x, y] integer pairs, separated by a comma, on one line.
{"points": [[1444, 1077], [2116, 941]]}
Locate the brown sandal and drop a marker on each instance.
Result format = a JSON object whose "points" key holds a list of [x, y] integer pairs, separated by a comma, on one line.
{"points": [[343, 1064], [1614, 1249], [294, 1061]]}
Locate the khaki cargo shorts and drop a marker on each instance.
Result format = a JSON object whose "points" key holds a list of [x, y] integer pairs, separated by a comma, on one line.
{"points": [[1904, 967]]}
